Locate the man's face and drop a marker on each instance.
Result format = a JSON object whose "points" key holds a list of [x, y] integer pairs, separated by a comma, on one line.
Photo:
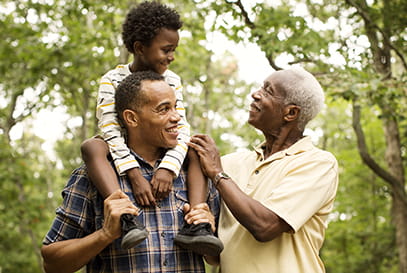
{"points": [[266, 111], [158, 118], [160, 53]]}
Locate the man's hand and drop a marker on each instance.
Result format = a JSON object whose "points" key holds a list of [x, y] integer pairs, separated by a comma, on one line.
{"points": [[162, 183], [199, 214], [115, 205], [142, 190], [208, 154]]}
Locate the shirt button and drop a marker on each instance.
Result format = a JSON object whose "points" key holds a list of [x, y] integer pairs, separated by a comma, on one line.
{"points": [[165, 263], [256, 171], [163, 234]]}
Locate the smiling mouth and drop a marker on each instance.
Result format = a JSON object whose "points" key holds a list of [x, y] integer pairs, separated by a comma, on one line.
{"points": [[173, 130], [254, 108]]}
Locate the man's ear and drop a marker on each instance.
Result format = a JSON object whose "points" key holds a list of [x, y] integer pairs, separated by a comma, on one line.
{"points": [[291, 112], [130, 118], [138, 48]]}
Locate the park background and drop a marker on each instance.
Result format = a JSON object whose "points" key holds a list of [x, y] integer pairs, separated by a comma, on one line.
{"points": [[53, 52]]}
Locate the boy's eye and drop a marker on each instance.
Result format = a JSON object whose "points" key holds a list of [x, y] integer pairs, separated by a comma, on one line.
{"points": [[168, 50]]}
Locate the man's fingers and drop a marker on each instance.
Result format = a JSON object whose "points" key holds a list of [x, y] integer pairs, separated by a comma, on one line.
{"points": [[186, 208], [116, 195]]}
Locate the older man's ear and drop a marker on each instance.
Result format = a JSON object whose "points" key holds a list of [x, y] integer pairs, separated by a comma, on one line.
{"points": [[292, 112], [130, 117]]}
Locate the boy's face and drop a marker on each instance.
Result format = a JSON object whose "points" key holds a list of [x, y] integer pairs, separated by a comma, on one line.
{"points": [[160, 53]]}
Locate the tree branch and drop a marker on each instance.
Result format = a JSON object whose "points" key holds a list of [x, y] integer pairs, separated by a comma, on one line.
{"points": [[369, 22], [369, 161], [252, 26]]}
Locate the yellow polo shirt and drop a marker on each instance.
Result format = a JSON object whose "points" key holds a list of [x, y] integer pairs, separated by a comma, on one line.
{"points": [[298, 184]]}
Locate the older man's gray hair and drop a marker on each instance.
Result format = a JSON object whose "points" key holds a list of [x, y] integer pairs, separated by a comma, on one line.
{"points": [[302, 89]]}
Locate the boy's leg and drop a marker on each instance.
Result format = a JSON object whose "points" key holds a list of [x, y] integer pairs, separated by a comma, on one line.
{"points": [[94, 153], [198, 238], [196, 181]]}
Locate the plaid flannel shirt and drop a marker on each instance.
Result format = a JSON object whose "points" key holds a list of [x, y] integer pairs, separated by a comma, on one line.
{"points": [[82, 213]]}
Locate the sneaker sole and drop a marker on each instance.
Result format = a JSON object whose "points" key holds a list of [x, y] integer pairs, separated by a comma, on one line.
{"points": [[203, 245], [133, 238]]}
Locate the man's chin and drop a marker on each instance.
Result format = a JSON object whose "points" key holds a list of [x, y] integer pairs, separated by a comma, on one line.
{"points": [[171, 145]]}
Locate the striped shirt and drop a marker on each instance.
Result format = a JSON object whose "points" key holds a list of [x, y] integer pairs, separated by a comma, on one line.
{"points": [[81, 213], [112, 131]]}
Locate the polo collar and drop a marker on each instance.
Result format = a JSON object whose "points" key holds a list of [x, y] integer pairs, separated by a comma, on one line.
{"points": [[302, 145]]}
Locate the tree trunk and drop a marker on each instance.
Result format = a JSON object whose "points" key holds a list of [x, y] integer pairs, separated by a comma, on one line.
{"points": [[399, 207]]}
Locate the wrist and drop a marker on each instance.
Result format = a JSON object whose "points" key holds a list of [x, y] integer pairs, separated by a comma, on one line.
{"points": [[133, 173], [105, 236], [167, 171], [219, 177]]}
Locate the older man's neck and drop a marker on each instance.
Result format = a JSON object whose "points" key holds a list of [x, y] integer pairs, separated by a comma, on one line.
{"points": [[276, 143]]}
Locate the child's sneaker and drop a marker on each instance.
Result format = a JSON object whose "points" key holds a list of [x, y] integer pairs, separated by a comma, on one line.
{"points": [[134, 231], [200, 239]]}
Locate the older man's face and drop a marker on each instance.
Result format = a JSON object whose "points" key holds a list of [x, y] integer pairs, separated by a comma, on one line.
{"points": [[158, 119], [266, 111]]}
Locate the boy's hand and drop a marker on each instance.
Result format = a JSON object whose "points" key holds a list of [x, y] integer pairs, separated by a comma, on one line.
{"points": [[141, 188], [162, 183]]}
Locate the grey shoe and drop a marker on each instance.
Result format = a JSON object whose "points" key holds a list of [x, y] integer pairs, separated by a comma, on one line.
{"points": [[200, 239], [133, 231]]}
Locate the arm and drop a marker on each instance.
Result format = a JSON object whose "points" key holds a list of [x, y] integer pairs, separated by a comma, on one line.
{"points": [[261, 222], [112, 134], [109, 124], [72, 254]]}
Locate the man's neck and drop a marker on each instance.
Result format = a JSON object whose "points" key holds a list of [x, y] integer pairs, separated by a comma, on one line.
{"points": [[150, 154]]}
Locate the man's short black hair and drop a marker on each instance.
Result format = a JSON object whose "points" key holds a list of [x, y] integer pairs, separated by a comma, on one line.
{"points": [[144, 21], [129, 94]]}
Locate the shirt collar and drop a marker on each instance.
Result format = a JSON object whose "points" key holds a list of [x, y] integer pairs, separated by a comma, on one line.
{"points": [[143, 161], [302, 145]]}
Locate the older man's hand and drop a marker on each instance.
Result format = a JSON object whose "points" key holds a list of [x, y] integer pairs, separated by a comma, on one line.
{"points": [[208, 154]]}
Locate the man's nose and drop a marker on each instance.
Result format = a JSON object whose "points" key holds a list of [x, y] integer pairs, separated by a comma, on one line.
{"points": [[175, 117], [256, 94]]}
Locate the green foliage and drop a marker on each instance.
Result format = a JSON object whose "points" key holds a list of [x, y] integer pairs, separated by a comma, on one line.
{"points": [[360, 236], [54, 54]]}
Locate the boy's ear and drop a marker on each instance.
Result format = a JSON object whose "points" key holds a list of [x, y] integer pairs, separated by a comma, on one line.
{"points": [[138, 48], [130, 118], [291, 112]]}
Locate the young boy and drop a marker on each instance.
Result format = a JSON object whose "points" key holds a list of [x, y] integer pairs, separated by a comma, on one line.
{"points": [[150, 33]]}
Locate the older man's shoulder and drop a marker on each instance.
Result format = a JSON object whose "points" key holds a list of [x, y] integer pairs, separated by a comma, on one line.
{"points": [[238, 155]]}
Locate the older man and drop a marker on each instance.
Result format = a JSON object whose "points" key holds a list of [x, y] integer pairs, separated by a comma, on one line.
{"points": [[275, 199], [86, 230]]}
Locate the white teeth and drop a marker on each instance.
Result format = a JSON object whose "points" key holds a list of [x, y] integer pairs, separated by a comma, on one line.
{"points": [[174, 130], [254, 109]]}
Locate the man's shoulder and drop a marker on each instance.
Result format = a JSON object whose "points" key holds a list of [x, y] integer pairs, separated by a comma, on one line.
{"points": [[79, 184]]}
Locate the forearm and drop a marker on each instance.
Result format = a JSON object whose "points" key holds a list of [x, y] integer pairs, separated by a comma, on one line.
{"points": [[71, 255], [261, 222]]}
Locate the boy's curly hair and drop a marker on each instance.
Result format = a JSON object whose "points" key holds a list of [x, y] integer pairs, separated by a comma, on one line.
{"points": [[144, 21]]}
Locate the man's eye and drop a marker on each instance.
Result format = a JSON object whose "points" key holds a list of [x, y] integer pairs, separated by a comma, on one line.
{"points": [[164, 109], [265, 91]]}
